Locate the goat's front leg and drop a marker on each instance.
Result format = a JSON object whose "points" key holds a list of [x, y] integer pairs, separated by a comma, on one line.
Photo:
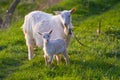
{"points": [[46, 60], [58, 59], [50, 59]]}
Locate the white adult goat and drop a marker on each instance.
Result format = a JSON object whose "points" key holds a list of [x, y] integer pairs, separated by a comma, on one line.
{"points": [[38, 21], [53, 47]]}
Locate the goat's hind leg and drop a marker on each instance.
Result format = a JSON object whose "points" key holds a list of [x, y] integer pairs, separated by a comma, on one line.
{"points": [[66, 57], [30, 44], [30, 52]]}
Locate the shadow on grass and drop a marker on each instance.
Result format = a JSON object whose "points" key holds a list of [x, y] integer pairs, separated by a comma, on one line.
{"points": [[19, 42], [113, 54], [2, 47], [98, 7], [94, 8], [113, 33], [8, 66]]}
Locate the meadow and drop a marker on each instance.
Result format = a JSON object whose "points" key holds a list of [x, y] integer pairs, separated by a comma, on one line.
{"points": [[99, 59]]}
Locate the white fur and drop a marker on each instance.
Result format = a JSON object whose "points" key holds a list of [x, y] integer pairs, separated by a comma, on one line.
{"points": [[38, 21], [53, 47]]}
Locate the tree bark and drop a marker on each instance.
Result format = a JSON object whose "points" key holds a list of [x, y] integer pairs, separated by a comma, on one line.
{"points": [[1, 21], [10, 13]]}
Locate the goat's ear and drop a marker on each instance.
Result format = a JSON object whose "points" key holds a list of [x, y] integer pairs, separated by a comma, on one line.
{"points": [[57, 12], [40, 33], [72, 10], [50, 32]]}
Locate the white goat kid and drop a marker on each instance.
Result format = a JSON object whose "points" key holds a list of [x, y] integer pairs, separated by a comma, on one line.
{"points": [[53, 47], [38, 21]]}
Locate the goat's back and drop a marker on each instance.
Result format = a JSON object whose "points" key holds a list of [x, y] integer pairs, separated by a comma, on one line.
{"points": [[56, 46]]}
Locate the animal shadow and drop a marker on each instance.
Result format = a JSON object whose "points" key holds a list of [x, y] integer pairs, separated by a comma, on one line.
{"points": [[114, 33], [113, 54]]}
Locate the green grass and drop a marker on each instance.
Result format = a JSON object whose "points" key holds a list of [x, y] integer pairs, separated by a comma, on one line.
{"points": [[99, 61]]}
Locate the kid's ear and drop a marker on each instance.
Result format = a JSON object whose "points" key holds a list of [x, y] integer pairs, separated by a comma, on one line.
{"points": [[72, 10], [40, 33], [50, 32]]}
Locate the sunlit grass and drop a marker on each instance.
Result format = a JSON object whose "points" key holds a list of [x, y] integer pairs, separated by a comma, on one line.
{"points": [[100, 60]]}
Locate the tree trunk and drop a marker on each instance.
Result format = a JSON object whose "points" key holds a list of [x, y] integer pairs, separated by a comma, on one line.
{"points": [[1, 21], [10, 13]]}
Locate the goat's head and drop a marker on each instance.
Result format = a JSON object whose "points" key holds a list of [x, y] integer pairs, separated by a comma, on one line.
{"points": [[66, 20], [46, 36]]}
